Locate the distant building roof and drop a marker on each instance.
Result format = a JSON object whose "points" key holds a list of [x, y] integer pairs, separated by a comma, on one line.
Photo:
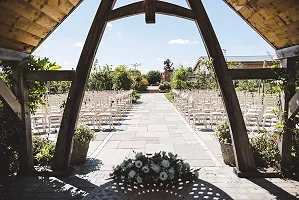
{"points": [[260, 58]]}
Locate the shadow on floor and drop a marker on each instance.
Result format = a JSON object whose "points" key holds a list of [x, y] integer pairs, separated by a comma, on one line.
{"points": [[72, 187], [273, 189]]}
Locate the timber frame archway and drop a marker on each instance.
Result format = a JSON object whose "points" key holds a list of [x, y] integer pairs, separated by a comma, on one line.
{"points": [[105, 13]]}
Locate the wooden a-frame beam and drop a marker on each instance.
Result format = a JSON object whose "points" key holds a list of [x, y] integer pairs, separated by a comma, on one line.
{"points": [[288, 52], [50, 75], [260, 73], [64, 143], [242, 149], [10, 99], [163, 8], [293, 106], [150, 11], [7, 54]]}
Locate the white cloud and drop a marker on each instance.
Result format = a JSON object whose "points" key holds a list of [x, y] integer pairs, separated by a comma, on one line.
{"points": [[79, 44], [109, 25], [195, 42], [179, 41], [66, 62], [160, 59]]}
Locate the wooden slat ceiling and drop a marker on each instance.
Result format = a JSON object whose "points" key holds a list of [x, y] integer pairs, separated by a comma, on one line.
{"points": [[24, 24], [277, 21]]}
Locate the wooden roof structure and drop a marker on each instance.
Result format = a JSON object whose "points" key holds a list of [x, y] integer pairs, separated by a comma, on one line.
{"points": [[25, 24], [277, 21]]}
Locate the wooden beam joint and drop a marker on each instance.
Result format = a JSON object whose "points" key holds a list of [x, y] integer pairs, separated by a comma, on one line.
{"points": [[150, 11], [50, 75], [260, 73]]}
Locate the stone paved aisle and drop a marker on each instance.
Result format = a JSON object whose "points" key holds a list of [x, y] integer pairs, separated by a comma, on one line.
{"points": [[152, 125]]}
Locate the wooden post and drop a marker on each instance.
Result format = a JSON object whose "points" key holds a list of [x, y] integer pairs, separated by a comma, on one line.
{"points": [[64, 143], [25, 153], [285, 142], [242, 148], [150, 11]]}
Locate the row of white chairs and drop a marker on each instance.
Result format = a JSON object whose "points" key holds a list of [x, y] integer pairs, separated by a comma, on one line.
{"points": [[98, 109], [206, 108]]}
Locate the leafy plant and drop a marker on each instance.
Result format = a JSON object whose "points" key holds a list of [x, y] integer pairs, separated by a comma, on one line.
{"points": [[223, 133], [135, 96], [83, 134], [43, 150], [153, 76], [165, 86], [100, 78], [265, 149], [122, 78], [180, 78]]}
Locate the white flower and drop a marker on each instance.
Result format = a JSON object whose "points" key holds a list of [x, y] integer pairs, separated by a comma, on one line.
{"points": [[122, 177], [165, 163], [130, 165], [138, 155], [163, 176], [187, 165], [138, 164], [145, 169], [139, 179], [196, 174], [156, 168], [132, 173], [171, 170], [170, 154]]}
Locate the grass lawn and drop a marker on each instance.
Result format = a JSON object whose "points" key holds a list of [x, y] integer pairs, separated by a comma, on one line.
{"points": [[169, 96]]}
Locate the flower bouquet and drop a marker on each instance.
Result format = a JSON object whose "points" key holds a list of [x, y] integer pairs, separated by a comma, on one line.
{"points": [[159, 169]]}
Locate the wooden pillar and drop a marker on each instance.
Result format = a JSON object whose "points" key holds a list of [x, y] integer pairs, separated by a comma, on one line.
{"points": [[64, 143], [22, 92], [242, 148], [285, 142]]}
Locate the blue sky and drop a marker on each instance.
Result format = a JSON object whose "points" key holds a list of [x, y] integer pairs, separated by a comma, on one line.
{"points": [[131, 40]]}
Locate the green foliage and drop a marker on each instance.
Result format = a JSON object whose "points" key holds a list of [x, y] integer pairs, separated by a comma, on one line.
{"points": [[170, 96], [122, 78], [43, 150], [37, 89], [265, 149], [141, 85], [247, 85], [165, 86], [223, 133], [153, 76], [100, 78], [180, 78], [59, 87], [10, 140], [135, 96], [83, 134]]}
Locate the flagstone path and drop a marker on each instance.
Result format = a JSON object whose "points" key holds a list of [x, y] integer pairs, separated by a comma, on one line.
{"points": [[152, 125]]}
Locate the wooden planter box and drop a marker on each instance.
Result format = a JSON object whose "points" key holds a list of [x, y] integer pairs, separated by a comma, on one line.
{"points": [[228, 154], [79, 153]]}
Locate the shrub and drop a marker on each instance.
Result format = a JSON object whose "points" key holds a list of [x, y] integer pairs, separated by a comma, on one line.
{"points": [[122, 78], [153, 76], [223, 133], [165, 86], [180, 78], [43, 150], [265, 149], [83, 134], [135, 96], [141, 85]]}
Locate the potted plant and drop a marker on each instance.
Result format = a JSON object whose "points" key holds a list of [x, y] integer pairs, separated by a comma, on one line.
{"points": [[223, 134], [82, 137]]}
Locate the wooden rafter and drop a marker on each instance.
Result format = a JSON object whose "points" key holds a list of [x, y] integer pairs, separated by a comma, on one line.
{"points": [[260, 73], [64, 143], [48, 75], [9, 98], [288, 52], [150, 11], [242, 148], [7, 54]]}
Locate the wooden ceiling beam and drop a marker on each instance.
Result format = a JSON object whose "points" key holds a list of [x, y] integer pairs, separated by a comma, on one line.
{"points": [[126, 11], [260, 73], [174, 10], [50, 75], [7, 54], [288, 52]]}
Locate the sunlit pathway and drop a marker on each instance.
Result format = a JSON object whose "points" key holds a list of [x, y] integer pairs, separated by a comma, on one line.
{"points": [[152, 125]]}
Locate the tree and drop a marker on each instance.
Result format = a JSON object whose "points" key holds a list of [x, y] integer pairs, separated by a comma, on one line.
{"points": [[153, 76], [100, 78], [168, 66], [180, 78], [121, 78]]}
